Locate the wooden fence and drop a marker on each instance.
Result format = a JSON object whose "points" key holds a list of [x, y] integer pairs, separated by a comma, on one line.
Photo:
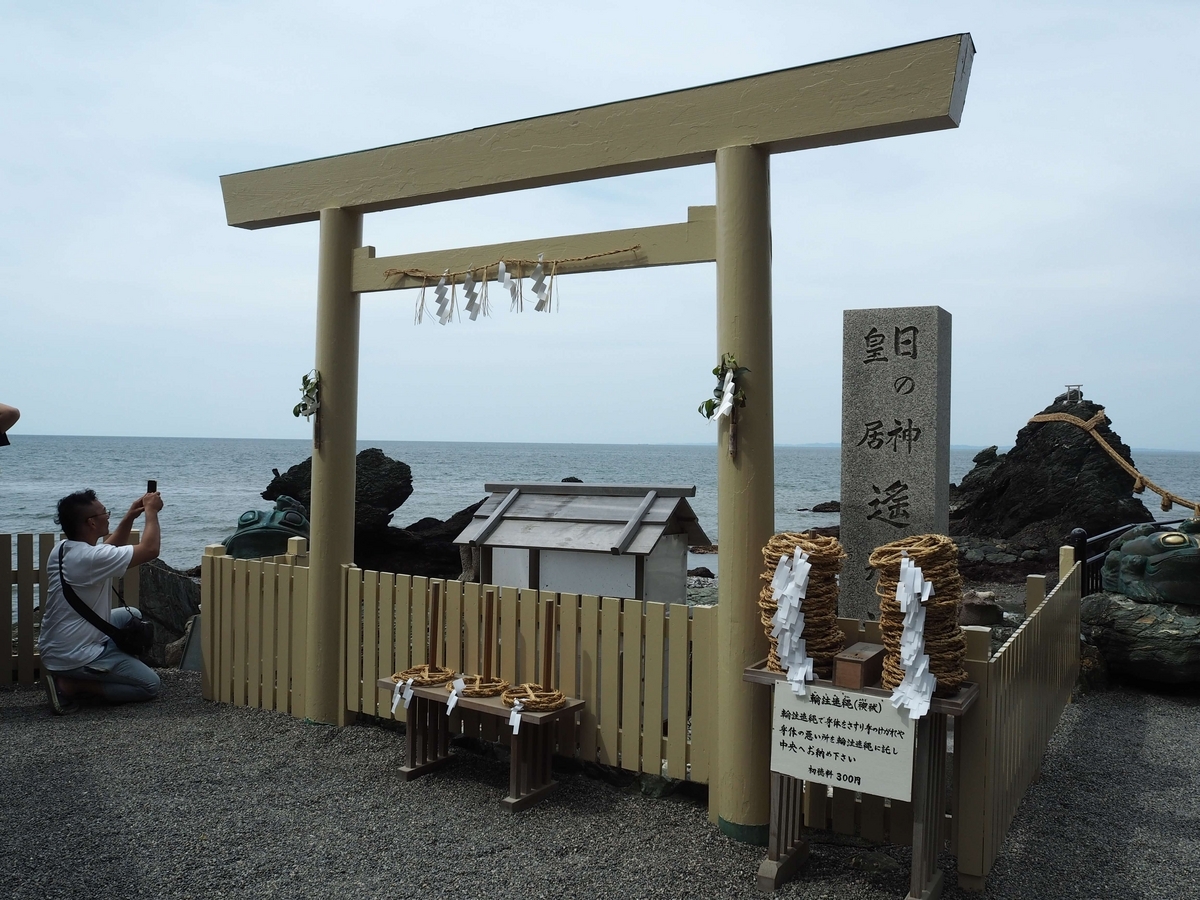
{"points": [[254, 630], [644, 669], [996, 748], [23, 580], [650, 710], [638, 714], [1024, 689]]}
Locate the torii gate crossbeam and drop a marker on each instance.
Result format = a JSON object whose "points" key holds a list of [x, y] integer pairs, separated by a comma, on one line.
{"points": [[735, 124]]}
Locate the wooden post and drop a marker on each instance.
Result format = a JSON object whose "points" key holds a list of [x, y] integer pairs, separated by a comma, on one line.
{"points": [[1035, 592], [435, 592], [489, 638], [745, 492], [1066, 562], [547, 643], [331, 536]]}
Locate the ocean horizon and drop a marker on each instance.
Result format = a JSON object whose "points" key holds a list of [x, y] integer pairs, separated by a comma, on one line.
{"points": [[208, 482]]}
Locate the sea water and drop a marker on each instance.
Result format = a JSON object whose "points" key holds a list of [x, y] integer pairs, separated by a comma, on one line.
{"points": [[207, 483]]}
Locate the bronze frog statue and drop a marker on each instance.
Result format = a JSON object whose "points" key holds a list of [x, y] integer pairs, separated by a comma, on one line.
{"points": [[1155, 563], [265, 533]]}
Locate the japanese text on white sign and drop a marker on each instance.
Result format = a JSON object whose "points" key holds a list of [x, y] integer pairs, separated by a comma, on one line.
{"points": [[845, 738]]}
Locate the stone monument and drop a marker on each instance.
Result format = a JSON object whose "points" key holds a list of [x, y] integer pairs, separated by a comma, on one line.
{"points": [[895, 438]]}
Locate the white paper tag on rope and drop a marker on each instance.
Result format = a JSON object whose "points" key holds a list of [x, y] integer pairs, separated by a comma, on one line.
{"points": [[915, 690], [443, 300], [399, 686], [471, 292], [408, 692], [514, 717], [459, 685], [507, 281], [539, 286]]}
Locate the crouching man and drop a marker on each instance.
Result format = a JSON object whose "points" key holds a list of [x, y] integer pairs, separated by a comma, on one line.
{"points": [[78, 660]]}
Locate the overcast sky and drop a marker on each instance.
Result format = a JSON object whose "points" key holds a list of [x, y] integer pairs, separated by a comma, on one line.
{"points": [[1058, 224]]}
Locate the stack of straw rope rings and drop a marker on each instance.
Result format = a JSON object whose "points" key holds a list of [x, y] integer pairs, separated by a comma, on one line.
{"points": [[823, 639], [534, 697], [424, 676], [478, 686], [945, 643]]}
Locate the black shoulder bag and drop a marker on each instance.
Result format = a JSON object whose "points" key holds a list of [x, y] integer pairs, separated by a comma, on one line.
{"points": [[135, 637]]}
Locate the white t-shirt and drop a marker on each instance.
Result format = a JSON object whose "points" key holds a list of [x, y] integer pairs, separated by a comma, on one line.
{"points": [[67, 640]]}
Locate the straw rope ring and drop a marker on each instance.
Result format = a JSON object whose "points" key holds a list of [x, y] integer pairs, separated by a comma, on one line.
{"points": [[478, 686], [823, 638], [534, 697], [945, 642], [424, 676]]}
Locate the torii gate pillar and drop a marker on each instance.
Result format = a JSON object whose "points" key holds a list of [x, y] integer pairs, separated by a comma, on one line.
{"points": [[331, 524], [745, 491]]}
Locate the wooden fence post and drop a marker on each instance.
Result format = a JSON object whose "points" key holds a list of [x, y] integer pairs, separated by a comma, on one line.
{"points": [[210, 614], [972, 764]]}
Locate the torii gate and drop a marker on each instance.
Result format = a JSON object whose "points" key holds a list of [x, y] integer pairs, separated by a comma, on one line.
{"points": [[736, 124]]}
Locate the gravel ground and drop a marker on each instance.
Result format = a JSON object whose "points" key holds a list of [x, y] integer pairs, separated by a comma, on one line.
{"points": [[182, 798]]}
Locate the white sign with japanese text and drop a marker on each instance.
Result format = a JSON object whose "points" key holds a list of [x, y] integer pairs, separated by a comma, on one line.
{"points": [[845, 738]]}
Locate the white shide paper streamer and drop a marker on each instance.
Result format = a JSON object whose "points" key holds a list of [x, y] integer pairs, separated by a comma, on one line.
{"points": [[916, 688], [445, 305], [471, 292], [788, 588], [402, 690], [726, 406], [507, 282], [514, 717], [540, 287], [459, 685]]}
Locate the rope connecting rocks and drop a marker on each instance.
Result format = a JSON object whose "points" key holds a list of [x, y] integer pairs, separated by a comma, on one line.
{"points": [[823, 638], [945, 643], [1140, 481]]}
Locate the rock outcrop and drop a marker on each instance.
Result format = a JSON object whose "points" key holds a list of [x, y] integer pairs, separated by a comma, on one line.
{"points": [[1156, 642], [426, 547], [168, 599], [381, 485], [1054, 479]]}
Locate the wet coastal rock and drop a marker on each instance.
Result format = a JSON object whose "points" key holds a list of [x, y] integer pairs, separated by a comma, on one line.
{"points": [[1153, 641], [1054, 479], [381, 485]]}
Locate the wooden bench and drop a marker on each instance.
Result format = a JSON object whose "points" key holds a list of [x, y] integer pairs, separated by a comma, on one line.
{"points": [[529, 776]]}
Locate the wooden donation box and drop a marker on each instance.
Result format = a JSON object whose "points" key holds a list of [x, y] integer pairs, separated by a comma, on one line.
{"points": [[853, 738]]}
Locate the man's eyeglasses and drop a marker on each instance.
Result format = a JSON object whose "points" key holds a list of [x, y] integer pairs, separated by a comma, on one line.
{"points": [[103, 512]]}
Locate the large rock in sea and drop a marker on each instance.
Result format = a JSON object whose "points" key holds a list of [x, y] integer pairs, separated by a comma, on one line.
{"points": [[425, 547], [1157, 642], [1055, 478], [381, 485]]}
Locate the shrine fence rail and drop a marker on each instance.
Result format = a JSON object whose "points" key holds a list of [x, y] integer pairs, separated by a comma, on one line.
{"points": [[996, 748], [23, 580], [1024, 689], [615, 654], [648, 710]]}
